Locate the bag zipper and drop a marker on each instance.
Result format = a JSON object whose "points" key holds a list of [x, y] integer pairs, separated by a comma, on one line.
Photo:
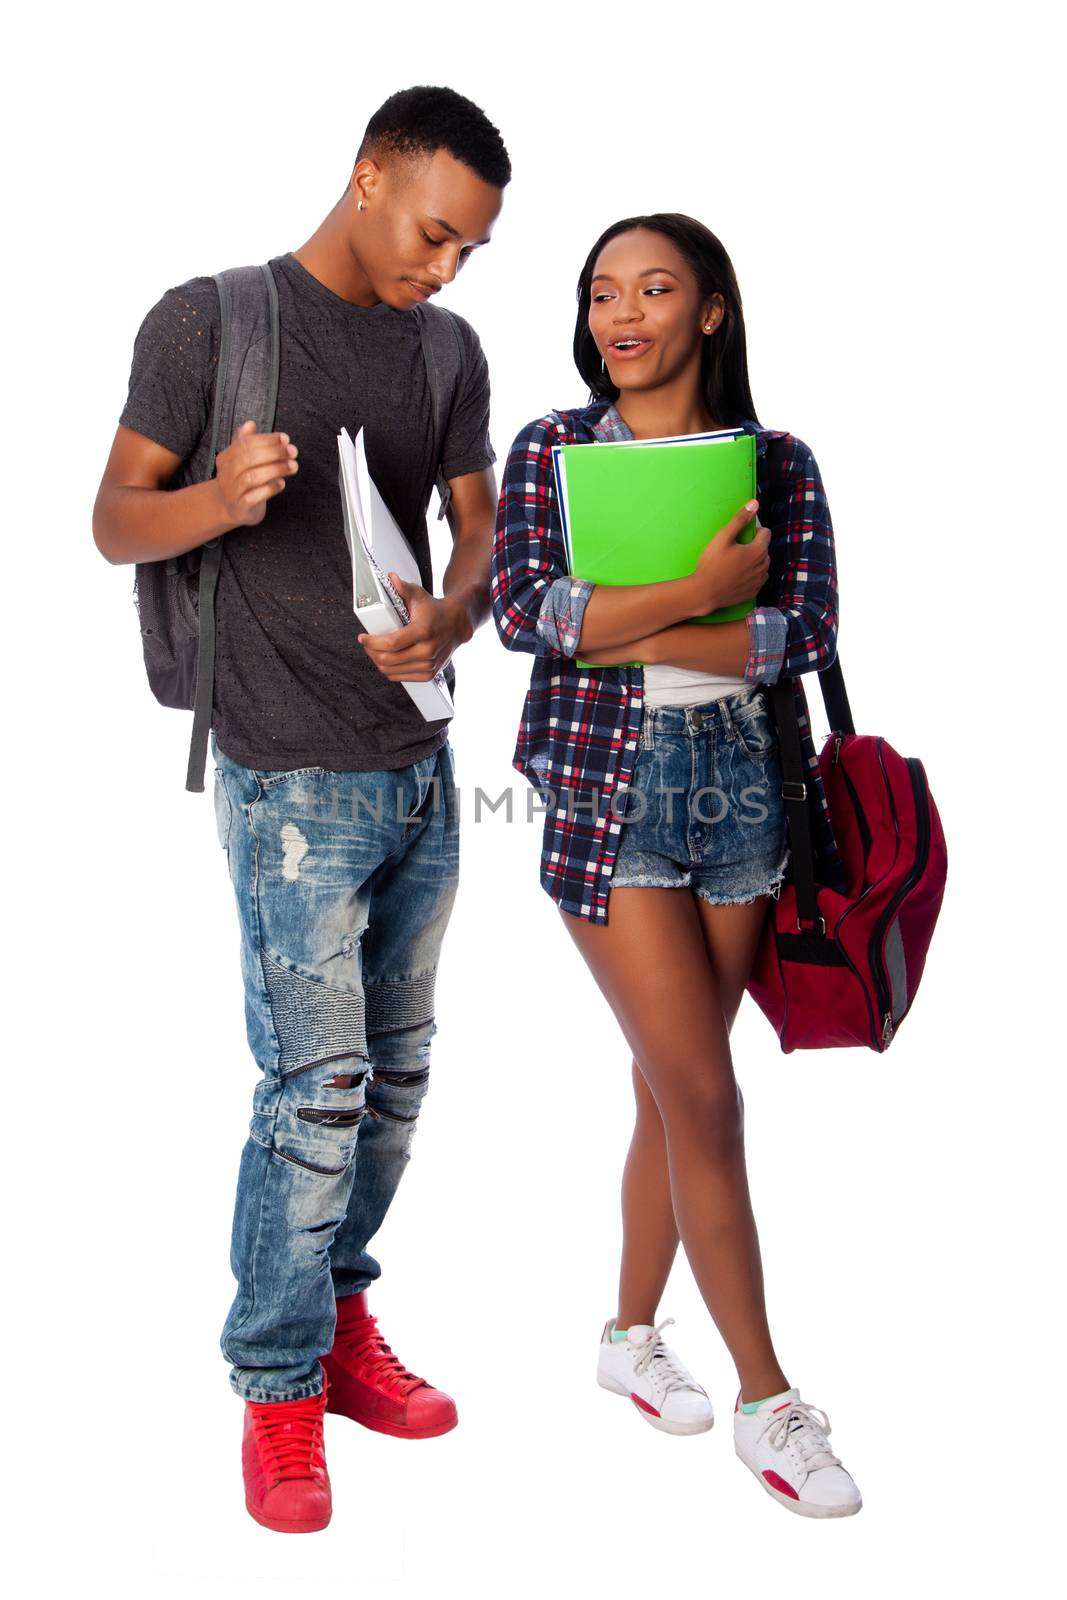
{"points": [[861, 820], [866, 833], [922, 814]]}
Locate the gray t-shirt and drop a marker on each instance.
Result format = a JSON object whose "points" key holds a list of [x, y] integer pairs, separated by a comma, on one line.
{"points": [[293, 688]]}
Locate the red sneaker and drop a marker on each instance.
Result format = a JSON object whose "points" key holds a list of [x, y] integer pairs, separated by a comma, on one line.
{"points": [[369, 1384], [287, 1486]]}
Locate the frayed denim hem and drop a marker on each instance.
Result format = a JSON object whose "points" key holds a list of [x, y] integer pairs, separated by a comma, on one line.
{"points": [[773, 888], [303, 1391]]}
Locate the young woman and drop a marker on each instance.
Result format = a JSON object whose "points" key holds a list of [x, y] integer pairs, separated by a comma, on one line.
{"points": [[624, 752]]}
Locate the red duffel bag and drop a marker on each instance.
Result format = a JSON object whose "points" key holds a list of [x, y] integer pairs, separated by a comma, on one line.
{"points": [[843, 969]]}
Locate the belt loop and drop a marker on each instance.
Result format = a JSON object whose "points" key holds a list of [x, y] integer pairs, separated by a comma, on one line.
{"points": [[648, 718], [728, 725]]}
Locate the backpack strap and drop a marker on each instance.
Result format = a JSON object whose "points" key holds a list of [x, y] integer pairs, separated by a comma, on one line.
{"points": [[442, 351], [246, 385]]}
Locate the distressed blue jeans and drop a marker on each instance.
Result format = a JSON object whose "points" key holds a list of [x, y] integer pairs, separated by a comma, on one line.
{"points": [[345, 883]]}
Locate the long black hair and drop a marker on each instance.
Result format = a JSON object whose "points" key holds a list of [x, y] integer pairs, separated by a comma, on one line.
{"points": [[724, 358]]}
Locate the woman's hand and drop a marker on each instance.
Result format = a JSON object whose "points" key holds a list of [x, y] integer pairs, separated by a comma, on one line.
{"points": [[727, 572]]}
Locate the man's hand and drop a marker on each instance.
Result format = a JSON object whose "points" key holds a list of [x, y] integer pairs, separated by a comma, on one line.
{"points": [[417, 652], [251, 470]]}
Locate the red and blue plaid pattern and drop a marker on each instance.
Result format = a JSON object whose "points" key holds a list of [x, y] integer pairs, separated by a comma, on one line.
{"points": [[577, 740]]}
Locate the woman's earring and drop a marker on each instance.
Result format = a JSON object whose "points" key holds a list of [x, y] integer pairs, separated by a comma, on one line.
{"points": [[603, 365], [361, 206], [707, 327]]}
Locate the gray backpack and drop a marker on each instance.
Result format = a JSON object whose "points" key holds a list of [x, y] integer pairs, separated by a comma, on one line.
{"points": [[175, 598]]}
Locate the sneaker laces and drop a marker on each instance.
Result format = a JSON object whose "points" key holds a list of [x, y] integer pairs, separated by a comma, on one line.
{"points": [[290, 1433], [668, 1372], [800, 1425], [363, 1343]]}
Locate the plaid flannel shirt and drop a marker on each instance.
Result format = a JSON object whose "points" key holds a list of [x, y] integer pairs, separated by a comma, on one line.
{"points": [[577, 741]]}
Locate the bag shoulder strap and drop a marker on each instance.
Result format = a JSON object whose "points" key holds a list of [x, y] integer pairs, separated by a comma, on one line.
{"points": [[443, 353], [796, 791], [246, 385]]}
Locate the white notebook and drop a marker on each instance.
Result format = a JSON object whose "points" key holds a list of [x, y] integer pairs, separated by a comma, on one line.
{"points": [[378, 547]]}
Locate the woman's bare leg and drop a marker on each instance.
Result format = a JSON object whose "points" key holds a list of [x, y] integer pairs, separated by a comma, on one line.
{"points": [[649, 1229], [652, 963]]}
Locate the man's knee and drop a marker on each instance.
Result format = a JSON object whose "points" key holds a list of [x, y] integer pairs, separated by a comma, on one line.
{"points": [[400, 1073], [396, 1095], [311, 1118]]}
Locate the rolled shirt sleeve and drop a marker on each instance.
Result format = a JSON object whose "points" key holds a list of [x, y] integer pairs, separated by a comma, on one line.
{"points": [[768, 631], [537, 605], [559, 621]]}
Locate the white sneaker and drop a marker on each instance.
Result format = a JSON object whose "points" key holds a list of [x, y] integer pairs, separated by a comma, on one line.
{"points": [[648, 1373], [785, 1445]]}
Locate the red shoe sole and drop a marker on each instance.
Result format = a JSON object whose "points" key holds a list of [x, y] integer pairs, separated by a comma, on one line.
{"points": [[395, 1429], [283, 1525]]}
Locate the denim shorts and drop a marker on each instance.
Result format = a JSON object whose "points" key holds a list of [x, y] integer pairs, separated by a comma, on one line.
{"points": [[705, 810]]}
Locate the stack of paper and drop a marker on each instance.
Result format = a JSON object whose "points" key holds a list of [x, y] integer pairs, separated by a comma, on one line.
{"points": [[378, 547], [642, 511]]}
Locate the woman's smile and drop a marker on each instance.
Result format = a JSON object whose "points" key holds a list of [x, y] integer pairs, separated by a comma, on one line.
{"points": [[629, 345]]}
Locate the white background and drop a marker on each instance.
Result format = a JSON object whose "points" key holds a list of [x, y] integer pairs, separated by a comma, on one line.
{"points": [[885, 184]]}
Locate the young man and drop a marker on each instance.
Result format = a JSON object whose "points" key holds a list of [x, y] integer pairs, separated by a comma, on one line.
{"points": [[335, 799]]}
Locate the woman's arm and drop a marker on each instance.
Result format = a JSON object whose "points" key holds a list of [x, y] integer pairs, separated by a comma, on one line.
{"points": [[798, 632], [721, 647], [536, 605]]}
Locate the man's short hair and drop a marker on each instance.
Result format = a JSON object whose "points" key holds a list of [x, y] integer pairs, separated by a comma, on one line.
{"points": [[416, 122]]}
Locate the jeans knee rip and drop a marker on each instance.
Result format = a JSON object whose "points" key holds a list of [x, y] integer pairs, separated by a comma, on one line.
{"points": [[313, 1117], [403, 1094]]}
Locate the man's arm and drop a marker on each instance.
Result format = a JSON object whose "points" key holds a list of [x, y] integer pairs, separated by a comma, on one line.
{"points": [[466, 581], [136, 518], [438, 627]]}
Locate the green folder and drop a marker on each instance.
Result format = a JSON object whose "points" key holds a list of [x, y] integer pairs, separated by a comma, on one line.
{"points": [[642, 513]]}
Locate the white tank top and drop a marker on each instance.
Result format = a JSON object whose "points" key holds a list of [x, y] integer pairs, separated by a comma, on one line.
{"points": [[683, 686]]}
